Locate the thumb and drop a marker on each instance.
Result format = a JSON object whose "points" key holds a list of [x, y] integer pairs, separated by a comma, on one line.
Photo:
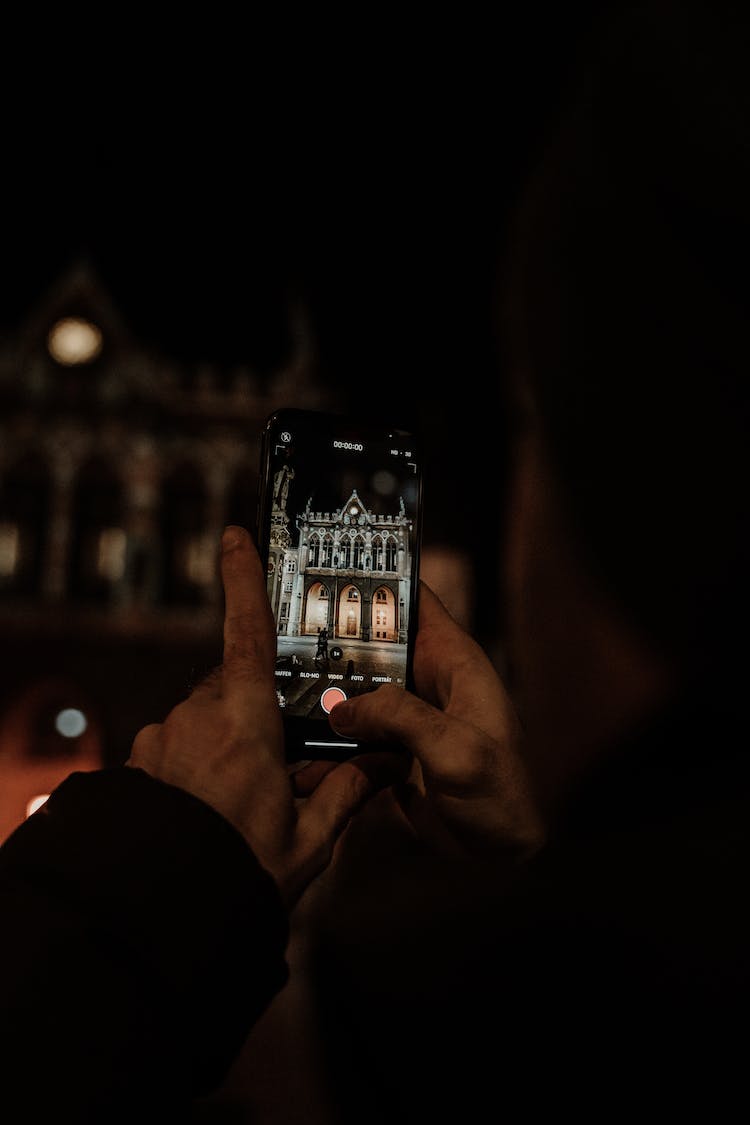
{"points": [[393, 716]]}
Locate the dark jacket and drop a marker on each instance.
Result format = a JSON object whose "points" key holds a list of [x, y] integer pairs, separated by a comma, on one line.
{"points": [[140, 941]]}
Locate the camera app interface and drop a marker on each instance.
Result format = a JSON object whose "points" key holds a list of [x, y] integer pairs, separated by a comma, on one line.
{"points": [[343, 526]]}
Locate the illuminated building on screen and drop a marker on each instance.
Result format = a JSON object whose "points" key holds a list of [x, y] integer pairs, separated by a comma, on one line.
{"points": [[346, 571]]}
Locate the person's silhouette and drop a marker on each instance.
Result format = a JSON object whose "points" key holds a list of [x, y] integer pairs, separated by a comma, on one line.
{"points": [[322, 648]]}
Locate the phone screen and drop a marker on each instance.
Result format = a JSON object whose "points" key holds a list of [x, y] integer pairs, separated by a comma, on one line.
{"points": [[340, 525]]}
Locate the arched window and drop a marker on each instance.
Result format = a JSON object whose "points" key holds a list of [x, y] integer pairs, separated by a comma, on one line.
{"points": [[391, 554], [384, 623], [24, 519], [315, 609], [349, 613], [99, 540], [327, 550], [314, 551], [345, 552], [377, 553], [189, 553], [358, 552]]}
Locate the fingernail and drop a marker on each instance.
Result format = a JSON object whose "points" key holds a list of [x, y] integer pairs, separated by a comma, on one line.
{"points": [[341, 718], [231, 537]]}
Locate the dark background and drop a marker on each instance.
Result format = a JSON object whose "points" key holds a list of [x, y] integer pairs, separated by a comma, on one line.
{"points": [[215, 175], [211, 173]]}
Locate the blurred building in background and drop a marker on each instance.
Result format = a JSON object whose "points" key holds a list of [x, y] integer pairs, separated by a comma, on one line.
{"points": [[118, 471], [119, 467]]}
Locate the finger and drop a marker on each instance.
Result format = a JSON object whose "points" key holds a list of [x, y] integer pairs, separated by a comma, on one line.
{"points": [[392, 716], [453, 672], [382, 768], [146, 745], [249, 634], [419, 811], [208, 687], [307, 778], [339, 795]]}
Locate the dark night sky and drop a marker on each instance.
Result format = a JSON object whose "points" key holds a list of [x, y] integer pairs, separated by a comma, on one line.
{"points": [[373, 181], [369, 168], [367, 163]]}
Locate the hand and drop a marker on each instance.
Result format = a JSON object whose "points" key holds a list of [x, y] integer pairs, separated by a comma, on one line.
{"points": [[469, 792], [225, 742]]}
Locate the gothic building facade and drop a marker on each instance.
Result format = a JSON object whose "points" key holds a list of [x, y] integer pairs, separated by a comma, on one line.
{"points": [[119, 467], [345, 571]]}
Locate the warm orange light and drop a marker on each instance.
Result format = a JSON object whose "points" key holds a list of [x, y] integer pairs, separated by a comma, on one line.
{"points": [[36, 803], [200, 560], [73, 341], [9, 549], [111, 553]]}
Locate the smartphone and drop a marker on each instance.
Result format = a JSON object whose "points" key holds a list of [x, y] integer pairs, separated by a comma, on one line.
{"points": [[339, 528]]}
